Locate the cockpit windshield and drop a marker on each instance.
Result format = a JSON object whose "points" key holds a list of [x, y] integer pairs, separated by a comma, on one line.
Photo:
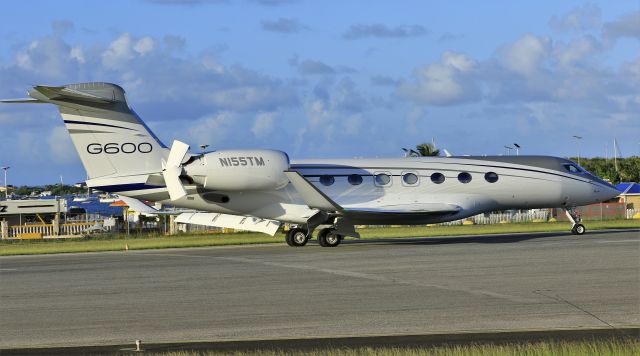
{"points": [[572, 168]]}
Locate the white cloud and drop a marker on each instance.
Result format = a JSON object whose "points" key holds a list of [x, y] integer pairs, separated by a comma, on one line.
{"points": [[283, 25], [379, 30], [77, 53], [213, 129], [447, 82], [144, 45], [582, 18], [264, 123], [47, 57], [627, 25], [525, 55], [119, 51], [577, 51]]}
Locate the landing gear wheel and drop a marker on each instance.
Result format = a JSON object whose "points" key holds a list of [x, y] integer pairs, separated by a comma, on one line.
{"points": [[297, 237], [578, 229], [329, 238]]}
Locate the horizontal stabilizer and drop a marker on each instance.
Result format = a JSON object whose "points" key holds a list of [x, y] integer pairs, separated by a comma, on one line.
{"points": [[311, 195], [67, 93], [22, 101], [237, 222]]}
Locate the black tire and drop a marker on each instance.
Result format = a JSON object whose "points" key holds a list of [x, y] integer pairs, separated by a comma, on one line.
{"points": [[297, 237], [579, 229], [329, 238]]}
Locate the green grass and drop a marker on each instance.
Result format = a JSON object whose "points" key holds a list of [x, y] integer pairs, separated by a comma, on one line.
{"points": [[576, 348], [117, 242]]}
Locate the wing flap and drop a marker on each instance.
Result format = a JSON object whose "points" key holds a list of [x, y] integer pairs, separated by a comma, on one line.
{"points": [[238, 222]]}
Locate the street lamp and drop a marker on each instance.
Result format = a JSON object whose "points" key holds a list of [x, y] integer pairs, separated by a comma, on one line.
{"points": [[517, 149], [578, 138], [6, 188], [509, 148]]}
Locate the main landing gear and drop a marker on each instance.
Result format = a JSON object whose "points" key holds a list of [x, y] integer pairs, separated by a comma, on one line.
{"points": [[328, 237], [297, 237], [577, 228]]}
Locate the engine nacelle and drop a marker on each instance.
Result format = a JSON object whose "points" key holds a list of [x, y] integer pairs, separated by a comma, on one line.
{"points": [[240, 170]]}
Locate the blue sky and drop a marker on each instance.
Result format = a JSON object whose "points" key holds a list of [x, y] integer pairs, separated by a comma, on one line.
{"points": [[329, 78]]}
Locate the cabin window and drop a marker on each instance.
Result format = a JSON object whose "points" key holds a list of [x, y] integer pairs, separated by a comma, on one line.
{"points": [[327, 180], [437, 178], [410, 179], [355, 179], [464, 177], [382, 179], [572, 168], [491, 177]]}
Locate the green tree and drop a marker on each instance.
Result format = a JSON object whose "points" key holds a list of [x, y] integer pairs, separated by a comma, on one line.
{"points": [[628, 168], [427, 150]]}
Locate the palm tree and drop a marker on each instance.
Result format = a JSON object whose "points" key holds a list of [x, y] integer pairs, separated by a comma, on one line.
{"points": [[427, 149]]}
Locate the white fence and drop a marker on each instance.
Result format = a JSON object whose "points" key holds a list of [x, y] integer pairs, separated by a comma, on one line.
{"points": [[48, 230], [519, 217]]}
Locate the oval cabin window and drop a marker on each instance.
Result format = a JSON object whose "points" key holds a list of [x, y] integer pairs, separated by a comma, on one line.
{"points": [[355, 179], [464, 177], [410, 178], [491, 177], [327, 180], [437, 178], [383, 179]]}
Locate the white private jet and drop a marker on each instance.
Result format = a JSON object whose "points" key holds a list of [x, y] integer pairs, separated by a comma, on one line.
{"points": [[258, 190]]}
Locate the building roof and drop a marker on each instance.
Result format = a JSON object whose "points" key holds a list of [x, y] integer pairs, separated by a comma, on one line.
{"points": [[628, 188]]}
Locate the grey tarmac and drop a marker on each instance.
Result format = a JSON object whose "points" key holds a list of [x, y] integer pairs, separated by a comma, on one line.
{"points": [[540, 281]]}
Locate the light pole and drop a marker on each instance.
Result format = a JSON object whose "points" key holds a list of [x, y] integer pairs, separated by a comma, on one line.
{"points": [[578, 138], [517, 149], [6, 188], [509, 148]]}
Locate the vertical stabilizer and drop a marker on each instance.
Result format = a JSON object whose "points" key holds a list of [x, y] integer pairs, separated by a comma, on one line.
{"points": [[109, 136]]}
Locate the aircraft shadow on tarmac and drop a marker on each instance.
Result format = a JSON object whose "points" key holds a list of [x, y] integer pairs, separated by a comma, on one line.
{"points": [[485, 239]]}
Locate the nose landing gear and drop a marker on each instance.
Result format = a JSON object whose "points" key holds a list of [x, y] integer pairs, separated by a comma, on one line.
{"points": [[577, 228]]}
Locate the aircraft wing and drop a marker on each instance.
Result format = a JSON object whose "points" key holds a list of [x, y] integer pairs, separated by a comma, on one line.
{"points": [[311, 195], [248, 223], [316, 199]]}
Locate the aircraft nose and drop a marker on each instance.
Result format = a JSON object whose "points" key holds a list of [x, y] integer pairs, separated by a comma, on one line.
{"points": [[610, 192]]}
